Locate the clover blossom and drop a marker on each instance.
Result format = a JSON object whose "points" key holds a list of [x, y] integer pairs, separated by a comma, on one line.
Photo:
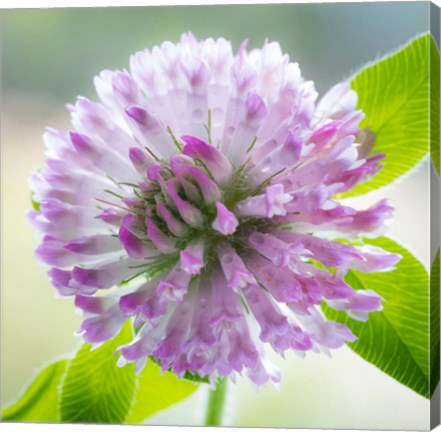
{"points": [[197, 199]]}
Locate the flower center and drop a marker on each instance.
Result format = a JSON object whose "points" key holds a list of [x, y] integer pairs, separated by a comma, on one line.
{"points": [[187, 207]]}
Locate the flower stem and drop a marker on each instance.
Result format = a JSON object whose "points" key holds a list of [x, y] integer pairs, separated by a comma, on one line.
{"points": [[215, 406]]}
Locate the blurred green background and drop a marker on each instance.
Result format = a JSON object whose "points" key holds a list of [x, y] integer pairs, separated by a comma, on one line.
{"points": [[51, 55], [57, 51]]}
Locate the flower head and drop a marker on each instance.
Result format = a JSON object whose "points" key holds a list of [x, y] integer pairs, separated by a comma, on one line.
{"points": [[196, 197]]}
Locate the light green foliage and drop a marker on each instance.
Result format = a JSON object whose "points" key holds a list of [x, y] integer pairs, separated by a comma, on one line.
{"points": [[91, 388], [95, 389], [434, 103], [395, 340], [394, 95], [157, 392], [196, 378], [35, 204], [434, 324], [39, 402]]}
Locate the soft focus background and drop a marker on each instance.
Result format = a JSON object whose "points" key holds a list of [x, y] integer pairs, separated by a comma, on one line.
{"points": [[51, 56]]}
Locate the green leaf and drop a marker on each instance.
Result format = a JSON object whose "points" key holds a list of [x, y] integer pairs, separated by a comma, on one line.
{"points": [[195, 378], [394, 95], [434, 103], [434, 323], [187, 375], [95, 389], [395, 340], [156, 392], [35, 204], [39, 402]]}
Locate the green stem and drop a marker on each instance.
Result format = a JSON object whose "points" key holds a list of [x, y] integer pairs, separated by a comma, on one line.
{"points": [[215, 406]]}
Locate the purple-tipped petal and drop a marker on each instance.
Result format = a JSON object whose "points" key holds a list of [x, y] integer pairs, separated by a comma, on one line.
{"points": [[192, 257], [235, 271], [218, 165], [225, 222], [94, 245], [135, 247], [270, 204], [163, 243], [174, 225], [140, 159], [187, 211], [174, 286]]}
